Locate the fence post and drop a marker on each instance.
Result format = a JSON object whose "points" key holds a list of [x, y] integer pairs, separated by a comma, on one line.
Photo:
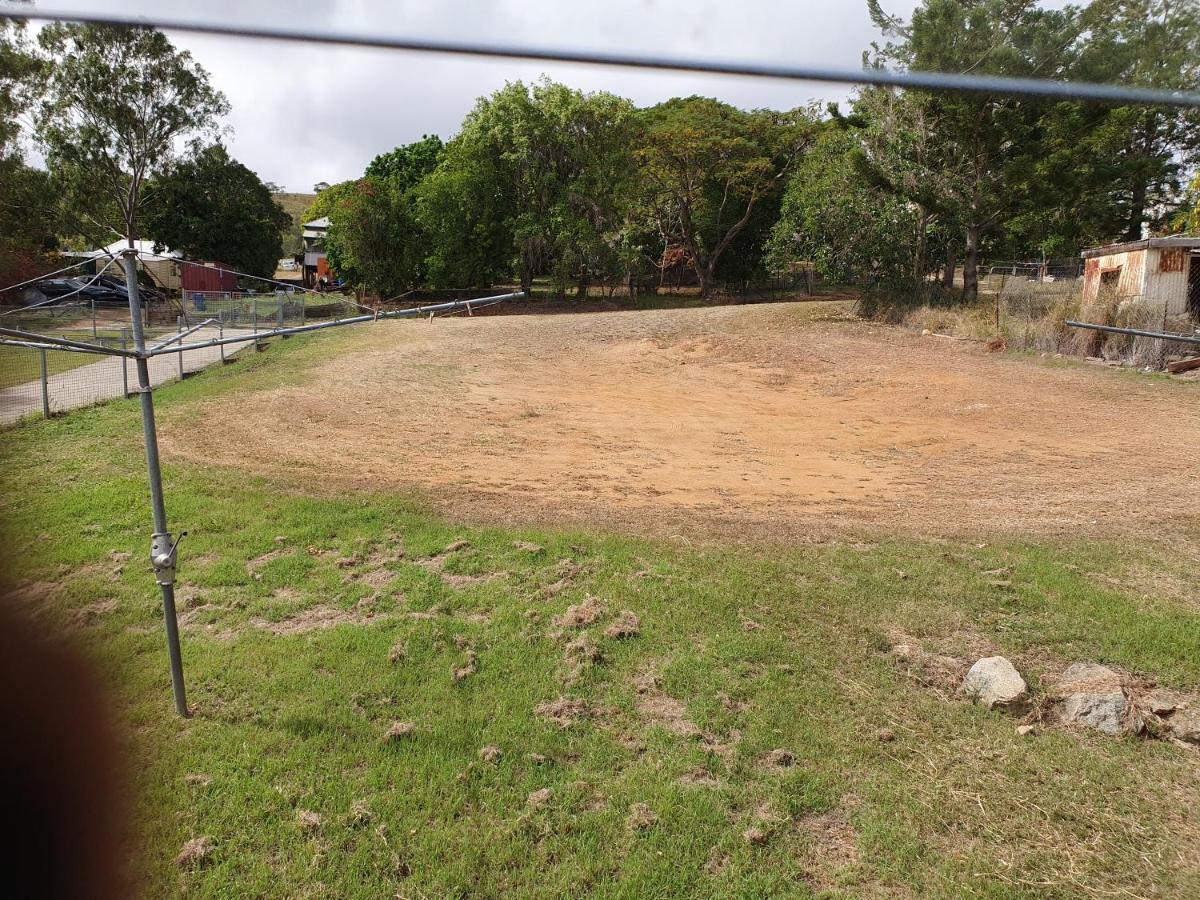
{"points": [[254, 301], [221, 336], [124, 365], [179, 330], [45, 386], [94, 333]]}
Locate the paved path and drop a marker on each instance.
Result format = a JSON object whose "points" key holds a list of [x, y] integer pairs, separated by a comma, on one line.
{"points": [[104, 379]]}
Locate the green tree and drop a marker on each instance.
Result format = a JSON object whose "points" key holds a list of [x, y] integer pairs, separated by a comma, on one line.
{"points": [[704, 166], [212, 207], [982, 155], [532, 184], [376, 240], [369, 243], [847, 228], [408, 164], [29, 219], [326, 200], [122, 105], [1145, 151]]}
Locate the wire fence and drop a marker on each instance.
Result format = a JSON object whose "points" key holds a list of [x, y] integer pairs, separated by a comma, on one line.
{"points": [[40, 383], [264, 311], [1031, 315]]}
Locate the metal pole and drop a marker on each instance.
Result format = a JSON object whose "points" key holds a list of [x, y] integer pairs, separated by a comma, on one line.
{"points": [[254, 300], [124, 366], [162, 547], [94, 334], [221, 334], [179, 330], [45, 386], [1136, 332]]}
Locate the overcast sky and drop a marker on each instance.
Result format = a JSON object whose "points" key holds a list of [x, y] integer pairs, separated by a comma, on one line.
{"points": [[304, 113]]}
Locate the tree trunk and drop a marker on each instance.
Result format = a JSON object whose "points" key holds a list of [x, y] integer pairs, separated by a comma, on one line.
{"points": [[706, 279], [971, 265], [1137, 212], [950, 266], [919, 252]]}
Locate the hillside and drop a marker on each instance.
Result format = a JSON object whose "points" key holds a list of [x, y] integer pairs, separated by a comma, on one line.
{"points": [[294, 205]]}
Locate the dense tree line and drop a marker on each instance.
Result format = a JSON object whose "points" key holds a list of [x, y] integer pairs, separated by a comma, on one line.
{"points": [[893, 191], [896, 190]]}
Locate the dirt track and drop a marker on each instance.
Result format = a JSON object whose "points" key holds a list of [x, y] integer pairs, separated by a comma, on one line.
{"points": [[737, 421]]}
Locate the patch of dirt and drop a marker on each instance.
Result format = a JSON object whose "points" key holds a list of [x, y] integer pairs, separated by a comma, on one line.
{"points": [[627, 625], [258, 562], [195, 853], [565, 711], [467, 669], [93, 613], [655, 707], [316, 619], [376, 579], [567, 571], [463, 582], [699, 777], [641, 818], [717, 863], [834, 846], [581, 615], [398, 731], [742, 421], [777, 759]]}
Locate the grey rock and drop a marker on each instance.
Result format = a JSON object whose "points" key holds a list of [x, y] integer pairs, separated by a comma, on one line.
{"points": [[994, 681], [1093, 696], [1185, 725]]}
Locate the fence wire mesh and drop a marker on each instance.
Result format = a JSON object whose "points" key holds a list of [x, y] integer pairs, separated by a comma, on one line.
{"points": [[42, 383]]}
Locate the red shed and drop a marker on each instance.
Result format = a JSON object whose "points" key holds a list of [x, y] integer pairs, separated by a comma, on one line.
{"points": [[206, 276]]}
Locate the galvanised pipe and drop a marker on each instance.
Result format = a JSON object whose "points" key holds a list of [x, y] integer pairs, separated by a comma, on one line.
{"points": [[455, 305], [162, 547], [1175, 338]]}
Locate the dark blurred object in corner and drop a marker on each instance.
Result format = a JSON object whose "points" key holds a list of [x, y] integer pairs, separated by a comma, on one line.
{"points": [[61, 795]]}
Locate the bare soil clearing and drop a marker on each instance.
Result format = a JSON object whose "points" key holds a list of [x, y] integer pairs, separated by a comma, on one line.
{"points": [[736, 421]]}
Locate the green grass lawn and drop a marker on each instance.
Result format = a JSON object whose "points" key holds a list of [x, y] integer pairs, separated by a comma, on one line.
{"points": [[894, 788], [19, 365]]}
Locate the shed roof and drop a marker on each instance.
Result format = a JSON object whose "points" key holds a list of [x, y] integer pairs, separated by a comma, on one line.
{"points": [[1186, 242]]}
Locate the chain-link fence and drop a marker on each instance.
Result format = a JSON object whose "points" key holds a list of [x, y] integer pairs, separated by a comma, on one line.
{"points": [[1031, 315], [35, 382], [262, 312]]}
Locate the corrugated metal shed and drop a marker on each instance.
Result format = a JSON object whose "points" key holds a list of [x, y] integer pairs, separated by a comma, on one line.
{"points": [[1164, 271]]}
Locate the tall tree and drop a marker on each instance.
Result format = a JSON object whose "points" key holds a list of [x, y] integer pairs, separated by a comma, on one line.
{"points": [[122, 105], [542, 167], [376, 240], [1148, 149], [212, 207], [407, 164], [848, 229], [982, 153], [704, 166], [28, 200]]}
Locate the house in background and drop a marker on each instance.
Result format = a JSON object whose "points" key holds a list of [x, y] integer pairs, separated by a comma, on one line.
{"points": [[316, 266], [1162, 271], [162, 268]]}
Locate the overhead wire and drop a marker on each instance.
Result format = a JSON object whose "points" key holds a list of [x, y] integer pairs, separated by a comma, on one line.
{"points": [[919, 80]]}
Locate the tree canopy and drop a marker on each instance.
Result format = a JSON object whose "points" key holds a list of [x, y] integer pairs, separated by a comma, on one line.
{"points": [[211, 207], [121, 106]]}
